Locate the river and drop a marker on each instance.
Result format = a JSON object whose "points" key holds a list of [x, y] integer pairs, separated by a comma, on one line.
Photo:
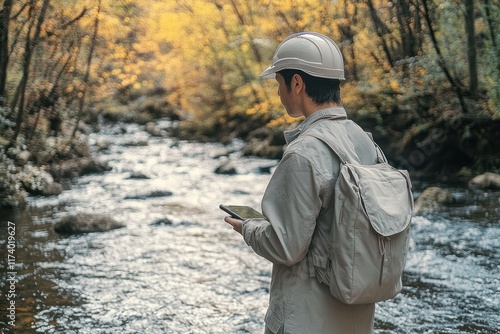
{"points": [[176, 267]]}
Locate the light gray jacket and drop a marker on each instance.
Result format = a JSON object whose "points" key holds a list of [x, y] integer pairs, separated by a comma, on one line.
{"points": [[297, 204]]}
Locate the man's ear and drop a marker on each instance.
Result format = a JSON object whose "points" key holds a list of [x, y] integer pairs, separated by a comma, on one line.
{"points": [[297, 84]]}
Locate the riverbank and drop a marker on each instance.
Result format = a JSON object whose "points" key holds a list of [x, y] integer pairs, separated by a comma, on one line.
{"points": [[21, 175]]}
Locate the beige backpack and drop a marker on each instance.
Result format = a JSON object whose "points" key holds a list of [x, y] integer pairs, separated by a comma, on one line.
{"points": [[369, 242]]}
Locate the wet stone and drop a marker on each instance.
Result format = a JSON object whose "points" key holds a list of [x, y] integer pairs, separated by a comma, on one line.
{"points": [[138, 176], [226, 168], [156, 193], [486, 181], [162, 222], [86, 223], [432, 199]]}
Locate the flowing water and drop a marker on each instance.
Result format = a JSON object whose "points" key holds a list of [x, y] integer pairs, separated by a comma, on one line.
{"points": [[176, 267]]}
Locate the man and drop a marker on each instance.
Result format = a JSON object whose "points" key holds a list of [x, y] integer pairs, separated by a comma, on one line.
{"points": [[298, 200]]}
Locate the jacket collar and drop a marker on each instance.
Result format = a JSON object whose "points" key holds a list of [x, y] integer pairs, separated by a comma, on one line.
{"points": [[328, 113]]}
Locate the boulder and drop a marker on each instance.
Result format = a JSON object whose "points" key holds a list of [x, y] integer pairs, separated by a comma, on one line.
{"points": [[138, 176], [266, 169], [22, 158], [37, 181], [485, 181], [86, 223], [431, 200], [152, 194], [152, 129], [48, 186], [162, 221], [102, 144], [51, 189], [262, 148], [226, 168], [92, 166], [78, 167]]}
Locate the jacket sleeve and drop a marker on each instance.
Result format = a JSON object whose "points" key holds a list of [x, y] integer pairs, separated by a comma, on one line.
{"points": [[291, 203]]}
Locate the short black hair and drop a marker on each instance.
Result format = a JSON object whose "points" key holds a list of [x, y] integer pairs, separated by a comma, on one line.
{"points": [[320, 90]]}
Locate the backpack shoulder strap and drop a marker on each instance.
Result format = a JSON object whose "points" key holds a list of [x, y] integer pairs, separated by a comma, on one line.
{"points": [[380, 154], [342, 156]]}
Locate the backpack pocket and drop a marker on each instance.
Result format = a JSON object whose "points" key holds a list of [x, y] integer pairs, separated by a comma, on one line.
{"points": [[385, 196]]}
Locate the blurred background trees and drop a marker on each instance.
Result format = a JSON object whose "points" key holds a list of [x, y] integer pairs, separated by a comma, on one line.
{"points": [[422, 75]]}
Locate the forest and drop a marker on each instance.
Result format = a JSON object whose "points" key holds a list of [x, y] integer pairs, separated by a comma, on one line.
{"points": [[422, 76]]}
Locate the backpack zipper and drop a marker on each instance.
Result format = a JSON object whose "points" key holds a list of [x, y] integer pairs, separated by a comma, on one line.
{"points": [[341, 214]]}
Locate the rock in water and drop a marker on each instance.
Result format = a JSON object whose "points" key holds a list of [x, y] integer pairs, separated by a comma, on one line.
{"points": [[432, 199], [486, 181], [227, 168], [86, 223]]}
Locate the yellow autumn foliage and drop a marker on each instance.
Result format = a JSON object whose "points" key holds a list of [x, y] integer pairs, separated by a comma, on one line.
{"points": [[208, 54]]}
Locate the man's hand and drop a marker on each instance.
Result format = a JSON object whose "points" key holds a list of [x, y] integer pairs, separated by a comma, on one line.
{"points": [[237, 224]]}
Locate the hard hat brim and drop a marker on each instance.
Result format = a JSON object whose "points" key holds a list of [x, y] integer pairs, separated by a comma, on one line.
{"points": [[269, 73]]}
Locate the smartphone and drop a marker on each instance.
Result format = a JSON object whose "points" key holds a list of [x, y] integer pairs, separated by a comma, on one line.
{"points": [[241, 211]]}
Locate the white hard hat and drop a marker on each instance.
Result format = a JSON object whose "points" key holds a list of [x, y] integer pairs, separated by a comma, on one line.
{"points": [[311, 52]]}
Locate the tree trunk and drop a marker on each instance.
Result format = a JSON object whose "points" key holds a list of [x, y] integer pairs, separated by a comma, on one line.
{"points": [[491, 25], [471, 47], [90, 55], [21, 89], [4, 47], [382, 30], [440, 59]]}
